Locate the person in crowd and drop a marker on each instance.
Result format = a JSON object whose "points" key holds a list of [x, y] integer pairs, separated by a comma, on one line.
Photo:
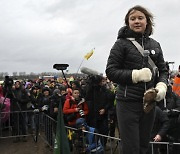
{"points": [[30, 107], [52, 86], [4, 108], [19, 102], [159, 131], [75, 107], [176, 83], [55, 101], [76, 84], [93, 142], [28, 86], [45, 106], [112, 110], [134, 74], [35, 98], [99, 99], [112, 119], [171, 101], [83, 86]]}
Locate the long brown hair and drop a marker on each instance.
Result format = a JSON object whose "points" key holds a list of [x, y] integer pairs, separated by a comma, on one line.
{"points": [[148, 15]]}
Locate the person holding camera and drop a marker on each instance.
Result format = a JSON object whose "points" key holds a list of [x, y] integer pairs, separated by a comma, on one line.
{"points": [[19, 102], [75, 107], [133, 63], [99, 99]]}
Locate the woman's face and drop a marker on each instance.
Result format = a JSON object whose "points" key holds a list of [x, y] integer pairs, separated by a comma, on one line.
{"points": [[137, 21], [75, 94]]}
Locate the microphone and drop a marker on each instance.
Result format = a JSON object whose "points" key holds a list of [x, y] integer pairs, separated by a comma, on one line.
{"points": [[89, 71]]}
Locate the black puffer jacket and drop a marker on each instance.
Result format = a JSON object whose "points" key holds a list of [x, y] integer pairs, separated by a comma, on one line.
{"points": [[124, 57]]}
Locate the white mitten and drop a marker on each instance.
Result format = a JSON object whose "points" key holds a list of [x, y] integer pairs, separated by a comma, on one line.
{"points": [[143, 75], [161, 89]]}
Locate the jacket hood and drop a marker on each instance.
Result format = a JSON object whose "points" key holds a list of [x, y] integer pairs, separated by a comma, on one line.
{"points": [[126, 32]]}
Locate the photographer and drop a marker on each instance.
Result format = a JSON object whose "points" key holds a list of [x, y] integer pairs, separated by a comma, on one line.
{"points": [[19, 102], [7, 87], [99, 99], [74, 108]]}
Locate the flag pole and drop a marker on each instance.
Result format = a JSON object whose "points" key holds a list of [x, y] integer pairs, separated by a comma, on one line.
{"points": [[80, 65], [87, 56]]}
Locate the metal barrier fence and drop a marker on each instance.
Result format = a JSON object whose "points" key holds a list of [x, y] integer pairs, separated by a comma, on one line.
{"points": [[29, 123], [77, 138], [17, 124]]}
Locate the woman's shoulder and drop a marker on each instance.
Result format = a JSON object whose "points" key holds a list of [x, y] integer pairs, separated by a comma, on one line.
{"points": [[121, 43], [153, 41], [122, 40]]}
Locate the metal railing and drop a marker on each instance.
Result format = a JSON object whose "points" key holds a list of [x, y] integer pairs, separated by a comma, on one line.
{"points": [[29, 123]]}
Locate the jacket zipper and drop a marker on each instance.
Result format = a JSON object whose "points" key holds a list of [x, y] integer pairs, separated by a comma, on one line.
{"points": [[142, 42], [125, 92]]}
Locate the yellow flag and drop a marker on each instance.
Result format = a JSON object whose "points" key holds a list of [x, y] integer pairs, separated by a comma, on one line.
{"points": [[89, 54]]}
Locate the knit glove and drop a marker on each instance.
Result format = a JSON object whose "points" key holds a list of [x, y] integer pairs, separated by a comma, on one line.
{"points": [[142, 75], [161, 89]]}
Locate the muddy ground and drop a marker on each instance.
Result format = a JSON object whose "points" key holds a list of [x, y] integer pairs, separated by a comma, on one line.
{"points": [[7, 146]]}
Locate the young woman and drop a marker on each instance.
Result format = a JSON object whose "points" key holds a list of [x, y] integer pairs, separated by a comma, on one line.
{"points": [[74, 108], [134, 75]]}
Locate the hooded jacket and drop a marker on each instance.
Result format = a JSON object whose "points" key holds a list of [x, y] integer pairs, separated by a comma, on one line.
{"points": [[124, 58]]}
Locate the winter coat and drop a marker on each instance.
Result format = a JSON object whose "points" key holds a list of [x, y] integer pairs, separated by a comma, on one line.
{"points": [[161, 123], [98, 97], [124, 58], [69, 109], [19, 100]]}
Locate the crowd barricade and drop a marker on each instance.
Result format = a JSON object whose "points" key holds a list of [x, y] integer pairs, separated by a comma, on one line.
{"points": [[19, 123], [164, 148], [39, 124], [76, 141]]}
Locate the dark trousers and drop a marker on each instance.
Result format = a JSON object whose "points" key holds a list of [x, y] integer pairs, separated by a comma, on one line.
{"points": [[101, 124], [18, 120], [135, 127]]}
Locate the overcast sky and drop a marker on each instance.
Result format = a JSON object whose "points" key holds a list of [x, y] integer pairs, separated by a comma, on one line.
{"points": [[35, 34]]}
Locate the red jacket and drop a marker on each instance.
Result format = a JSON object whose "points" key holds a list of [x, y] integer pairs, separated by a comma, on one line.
{"points": [[70, 107]]}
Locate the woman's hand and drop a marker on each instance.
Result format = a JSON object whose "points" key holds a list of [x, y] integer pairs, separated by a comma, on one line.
{"points": [[157, 138], [102, 111]]}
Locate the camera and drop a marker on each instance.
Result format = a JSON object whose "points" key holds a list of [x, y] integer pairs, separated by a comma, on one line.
{"points": [[81, 112], [8, 82]]}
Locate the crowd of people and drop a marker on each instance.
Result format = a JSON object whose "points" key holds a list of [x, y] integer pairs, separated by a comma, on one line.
{"points": [[91, 98]]}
